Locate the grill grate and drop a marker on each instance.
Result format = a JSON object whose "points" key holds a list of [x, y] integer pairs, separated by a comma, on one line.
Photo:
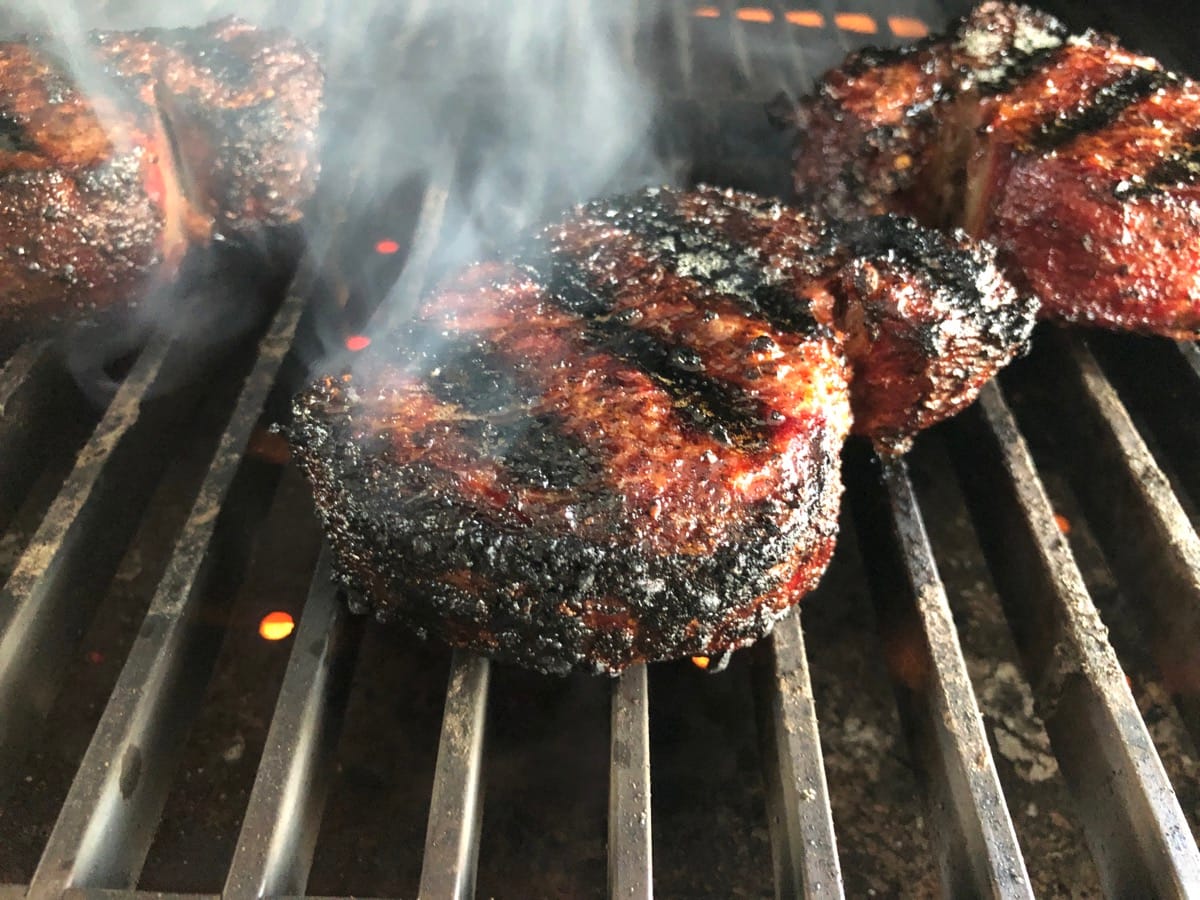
{"points": [[1126, 806]]}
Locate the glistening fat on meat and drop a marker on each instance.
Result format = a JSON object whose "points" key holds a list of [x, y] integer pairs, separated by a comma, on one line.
{"points": [[622, 444]]}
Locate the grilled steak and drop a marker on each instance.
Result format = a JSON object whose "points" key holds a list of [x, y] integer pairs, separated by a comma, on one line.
{"points": [[622, 445], [1079, 159], [109, 168]]}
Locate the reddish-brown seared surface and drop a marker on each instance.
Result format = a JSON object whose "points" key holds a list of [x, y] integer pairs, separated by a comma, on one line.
{"points": [[1077, 158], [244, 106], [862, 143], [76, 215], [681, 490], [1135, 264], [623, 445], [93, 200], [1092, 255], [922, 355], [926, 319]]}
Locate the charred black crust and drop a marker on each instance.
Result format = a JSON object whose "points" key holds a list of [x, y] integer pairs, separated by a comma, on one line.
{"points": [[706, 404], [1100, 110], [397, 538], [590, 587], [1181, 167], [14, 136], [734, 270], [951, 271]]}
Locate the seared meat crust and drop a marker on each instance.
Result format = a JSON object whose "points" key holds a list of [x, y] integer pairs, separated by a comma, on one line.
{"points": [[151, 140], [620, 446], [1074, 156]]}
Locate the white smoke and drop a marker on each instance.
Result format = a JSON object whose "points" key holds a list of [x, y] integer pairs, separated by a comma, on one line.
{"points": [[537, 101]]}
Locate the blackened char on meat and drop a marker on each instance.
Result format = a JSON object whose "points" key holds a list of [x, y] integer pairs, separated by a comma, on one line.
{"points": [[623, 443], [1079, 159], [148, 141]]}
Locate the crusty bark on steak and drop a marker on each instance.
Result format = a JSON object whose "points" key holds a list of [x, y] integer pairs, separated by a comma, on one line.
{"points": [[1079, 159], [622, 444], [148, 141]]}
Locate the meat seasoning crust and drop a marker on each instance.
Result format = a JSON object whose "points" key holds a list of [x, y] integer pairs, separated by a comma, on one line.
{"points": [[153, 140], [622, 445], [1079, 159]]}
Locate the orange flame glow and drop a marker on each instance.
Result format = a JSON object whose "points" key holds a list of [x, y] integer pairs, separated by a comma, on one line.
{"points": [[859, 23], [387, 247], [701, 662], [357, 342], [907, 27], [805, 18], [1063, 523], [275, 626], [755, 14], [706, 12]]}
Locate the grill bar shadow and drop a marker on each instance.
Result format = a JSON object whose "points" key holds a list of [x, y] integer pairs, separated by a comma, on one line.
{"points": [[974, 838], [109, 817], [1127, 808], [1142, 527], [51, 594]]}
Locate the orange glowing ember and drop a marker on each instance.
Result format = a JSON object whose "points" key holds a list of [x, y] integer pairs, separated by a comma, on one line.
{"points": [[387, 247], [856, 22], [276, 626], [805, 18], [1063, 523], [706, 12], [907, 27], [701, 662], [357, 342], [755, 14]]}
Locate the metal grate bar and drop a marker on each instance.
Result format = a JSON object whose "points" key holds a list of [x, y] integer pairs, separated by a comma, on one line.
{"points": [[1129, 812], [803, 846], [279, 832], [974, 839], [456, 810], [42, 609], [1144, 531], [630, 863], [108, 819]]}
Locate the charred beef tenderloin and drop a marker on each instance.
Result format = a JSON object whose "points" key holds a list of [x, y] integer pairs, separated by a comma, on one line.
{"points": [[149, 141], [623, 443], [1079, 159]]}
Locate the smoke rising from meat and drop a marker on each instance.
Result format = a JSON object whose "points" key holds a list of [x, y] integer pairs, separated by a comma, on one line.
{"points": [[535, 101]]}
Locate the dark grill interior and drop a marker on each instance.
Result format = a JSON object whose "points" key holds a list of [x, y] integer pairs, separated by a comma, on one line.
{"points": [[994, 691]]}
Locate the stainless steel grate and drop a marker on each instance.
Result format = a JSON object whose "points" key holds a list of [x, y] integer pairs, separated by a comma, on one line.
{"points": [[1126, 806]]}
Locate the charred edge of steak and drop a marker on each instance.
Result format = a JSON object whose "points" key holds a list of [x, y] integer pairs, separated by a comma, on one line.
{"points": [[14, 137], [1178, 169], [415, 553], [700, 252], [951, 272], [1101, 109], [1003, 44]]}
